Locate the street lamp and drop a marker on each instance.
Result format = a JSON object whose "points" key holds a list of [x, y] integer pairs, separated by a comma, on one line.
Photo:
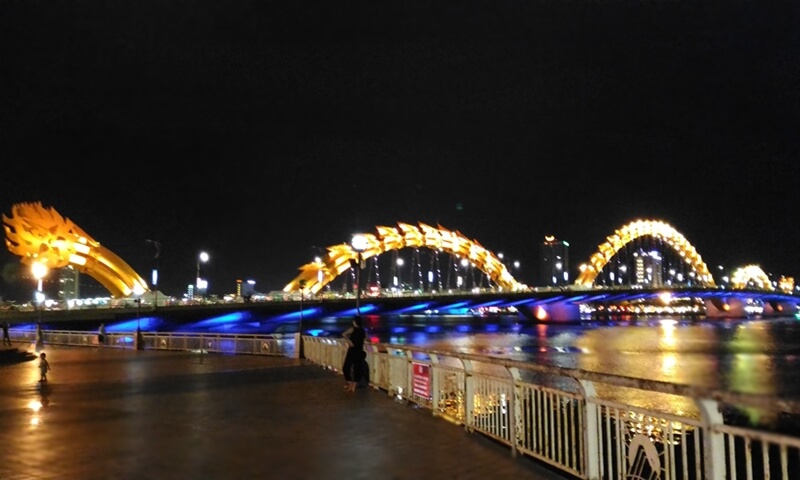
{"points": [[138, 312], [320, 266], [39, 270], [154, 279], [138, 291], [302, 285], [202, 258], [298, 337], [359, 244], [465, 266], [398, 279]]}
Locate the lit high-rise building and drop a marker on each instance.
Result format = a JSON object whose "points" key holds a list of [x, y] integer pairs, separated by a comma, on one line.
{"points": [[69, 285], [554, 262], [649, 268]]}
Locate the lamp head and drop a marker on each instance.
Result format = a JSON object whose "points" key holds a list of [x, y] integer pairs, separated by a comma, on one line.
{"points": [[359, 242], [39, 270]]}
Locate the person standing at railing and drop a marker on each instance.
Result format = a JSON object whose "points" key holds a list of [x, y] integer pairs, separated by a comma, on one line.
{"points": [[39, 337], [6, 337], [101, 335], [354, 357]]}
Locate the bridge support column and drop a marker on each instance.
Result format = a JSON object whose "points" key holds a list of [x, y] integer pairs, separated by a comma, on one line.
{"points": [[552, 312], [730, 307], [774, 308]]}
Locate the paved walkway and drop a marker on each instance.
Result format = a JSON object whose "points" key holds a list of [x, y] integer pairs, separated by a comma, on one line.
{"points": [[121, 414]]}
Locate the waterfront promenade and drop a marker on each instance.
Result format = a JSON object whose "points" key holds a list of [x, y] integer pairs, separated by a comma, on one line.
{"points": [[125, 414]]}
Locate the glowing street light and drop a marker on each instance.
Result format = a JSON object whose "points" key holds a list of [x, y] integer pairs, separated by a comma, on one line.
{"points": [[39, 270], [359, 244], [154, 277], [465, 268], [200, 284], [397, 283], [302, 285], [320, 266], [298, 338]]}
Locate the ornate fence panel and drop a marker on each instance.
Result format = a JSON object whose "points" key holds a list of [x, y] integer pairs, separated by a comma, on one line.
{"points": [[591, 425], [275, 345]]}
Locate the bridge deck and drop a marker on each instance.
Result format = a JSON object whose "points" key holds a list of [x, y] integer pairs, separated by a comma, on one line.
{"points": [[122, 414]]}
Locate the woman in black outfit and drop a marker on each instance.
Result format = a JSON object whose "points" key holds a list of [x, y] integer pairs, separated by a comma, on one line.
{"points": [[351, 369]]}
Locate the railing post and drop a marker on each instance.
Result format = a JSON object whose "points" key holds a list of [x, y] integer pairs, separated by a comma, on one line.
{"points": [[434, 375], [469, 394], [389, 375], [591, 431], [298, 345], [515, 409], [139, 340], [713, 442], [407, 390]]}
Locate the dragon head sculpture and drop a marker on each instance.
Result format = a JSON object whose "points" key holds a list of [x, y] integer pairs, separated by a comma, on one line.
{"points": [[41, 235]]}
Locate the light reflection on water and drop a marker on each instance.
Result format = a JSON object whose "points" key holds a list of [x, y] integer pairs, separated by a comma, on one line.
{"points": [[752, 356], [755, 356], [749, 356]]}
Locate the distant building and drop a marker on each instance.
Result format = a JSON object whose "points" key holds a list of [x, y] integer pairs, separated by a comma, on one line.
{"points": [[554, 270], [649, 268], [245, 290], [69, 284]]}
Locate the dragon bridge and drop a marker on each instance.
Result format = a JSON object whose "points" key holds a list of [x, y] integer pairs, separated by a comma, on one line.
{"points": [[748, 274], [631, 232], [315, 275], [42, 235]]}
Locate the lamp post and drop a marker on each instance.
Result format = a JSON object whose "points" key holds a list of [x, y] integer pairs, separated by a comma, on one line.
{"points": [[302, 284], [466, 272], [201, 258], [154, 279], [39, 270], [359, 244], [320, 275], [298, 337], [398, 279]]}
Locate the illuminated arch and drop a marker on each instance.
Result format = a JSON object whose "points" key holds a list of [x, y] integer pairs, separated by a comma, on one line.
{"points": [[751, 273], [315, 275], [42, 235], [642, 228]]}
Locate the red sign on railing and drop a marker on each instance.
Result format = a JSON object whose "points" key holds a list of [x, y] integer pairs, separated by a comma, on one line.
{"points": [[421, 380]]}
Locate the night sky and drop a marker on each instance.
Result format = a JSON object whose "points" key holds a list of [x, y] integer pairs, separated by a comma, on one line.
{"points": [[261, 130]]}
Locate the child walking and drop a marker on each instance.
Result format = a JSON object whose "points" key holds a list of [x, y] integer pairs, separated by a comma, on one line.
{"points": [[44, 366]]}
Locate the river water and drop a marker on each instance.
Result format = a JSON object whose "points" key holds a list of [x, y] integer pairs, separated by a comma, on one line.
{"points": [[752, 356], [749, 356], [758, 356], [744, 355]]}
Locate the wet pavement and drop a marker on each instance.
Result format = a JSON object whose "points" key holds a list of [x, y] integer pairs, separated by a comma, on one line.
{"points": [[125, 414]]}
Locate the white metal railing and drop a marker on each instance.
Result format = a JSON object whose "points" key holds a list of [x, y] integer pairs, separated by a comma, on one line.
{"points": [[275, 345], [590, 425], [574, 420]]}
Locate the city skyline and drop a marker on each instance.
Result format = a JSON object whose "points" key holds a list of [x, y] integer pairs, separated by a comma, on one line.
{"points": [[512, 264], [261, 134]]}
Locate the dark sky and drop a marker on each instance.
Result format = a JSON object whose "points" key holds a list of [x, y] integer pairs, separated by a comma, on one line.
{"points": [[259, 130]]}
